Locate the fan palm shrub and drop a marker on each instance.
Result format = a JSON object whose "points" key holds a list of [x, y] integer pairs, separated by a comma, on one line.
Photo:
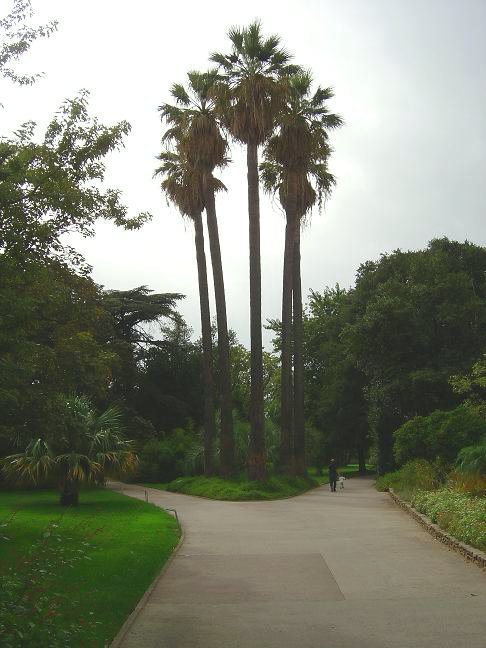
{"points": [[91, 448]]}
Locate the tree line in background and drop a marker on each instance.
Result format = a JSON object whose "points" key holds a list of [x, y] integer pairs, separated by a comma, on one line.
{"points": [[387, 371], [392, 348]]}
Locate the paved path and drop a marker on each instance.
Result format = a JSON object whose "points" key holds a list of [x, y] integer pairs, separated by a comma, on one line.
{"points": [[323, 570]]}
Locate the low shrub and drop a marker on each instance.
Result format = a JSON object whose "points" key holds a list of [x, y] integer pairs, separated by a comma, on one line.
{"points": [[473, 484], [413, 476], [472, 460], [470, 473], [460, 514]]}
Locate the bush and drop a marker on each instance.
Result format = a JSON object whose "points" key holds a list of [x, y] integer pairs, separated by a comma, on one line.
{"points": [[470, 474], [415, 475], [472, 460], [164, 459], [440, 435]]}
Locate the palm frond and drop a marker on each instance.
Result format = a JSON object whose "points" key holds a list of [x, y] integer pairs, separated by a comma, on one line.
{"points": [[270, 176], [236, 36], [180, 94], [32, 465], [221, 60], [218, 185]]}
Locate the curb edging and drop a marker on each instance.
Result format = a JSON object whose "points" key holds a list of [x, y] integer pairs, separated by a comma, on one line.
{"points": [[470, 553], [122, 633]]}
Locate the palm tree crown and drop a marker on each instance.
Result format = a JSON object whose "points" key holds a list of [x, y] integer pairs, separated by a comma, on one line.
{"points": [[296, 156], [193, 124], [251, 95], [181, 183]]}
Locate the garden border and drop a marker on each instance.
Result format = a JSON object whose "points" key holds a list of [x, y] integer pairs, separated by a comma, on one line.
{"points": [[470, 553], [121, 634]]}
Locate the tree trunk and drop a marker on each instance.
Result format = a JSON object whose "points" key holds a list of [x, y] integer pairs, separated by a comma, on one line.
{"points": [[226, 437], [361, 460], [256, 454], [299, 430], [69, 493], [209, 422], [286, 398]]}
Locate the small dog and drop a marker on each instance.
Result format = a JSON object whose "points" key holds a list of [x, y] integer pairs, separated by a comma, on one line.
{"points": [[341, 480]]}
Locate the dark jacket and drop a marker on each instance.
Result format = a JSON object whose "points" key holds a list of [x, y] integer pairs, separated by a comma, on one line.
{"points": [[332, 471]]}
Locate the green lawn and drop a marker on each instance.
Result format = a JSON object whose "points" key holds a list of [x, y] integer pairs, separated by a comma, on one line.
{"points": [[240, 489], [83, 569]]}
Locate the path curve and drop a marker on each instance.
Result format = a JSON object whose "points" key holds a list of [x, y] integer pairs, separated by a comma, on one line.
{"points": [[321, 570]]}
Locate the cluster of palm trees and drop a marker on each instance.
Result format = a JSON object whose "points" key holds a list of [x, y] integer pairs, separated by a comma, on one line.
{"points": [[257, 98]]}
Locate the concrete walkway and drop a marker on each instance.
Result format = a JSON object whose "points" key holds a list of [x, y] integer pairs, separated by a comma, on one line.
{"points": [[335, 570]]}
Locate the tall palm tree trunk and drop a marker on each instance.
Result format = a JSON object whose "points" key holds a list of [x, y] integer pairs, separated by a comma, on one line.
{"points": [[299, 432], [202, 275], [256, 455], [287, 398], [227, 438]]}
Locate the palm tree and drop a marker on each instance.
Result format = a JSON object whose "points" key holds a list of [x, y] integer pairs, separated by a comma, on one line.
{"points": [[249, 101], [90, 449], [296, 166], [184, 188], [194, 126]]}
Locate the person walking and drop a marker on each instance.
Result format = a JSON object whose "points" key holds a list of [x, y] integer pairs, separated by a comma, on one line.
{"points": [[333, 475]]}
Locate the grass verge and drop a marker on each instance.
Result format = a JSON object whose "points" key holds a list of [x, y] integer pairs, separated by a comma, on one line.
{"points": [[236, 490], [71, 577], [240, 489]]}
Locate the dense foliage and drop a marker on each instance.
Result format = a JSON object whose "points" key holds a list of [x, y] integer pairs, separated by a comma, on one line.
{"points": [[53, 342], [384, 351], [440, 435], [54, 186], [335, 399]]}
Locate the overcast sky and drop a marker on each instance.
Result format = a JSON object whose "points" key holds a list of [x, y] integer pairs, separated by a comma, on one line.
{"points": [[409, 80]]}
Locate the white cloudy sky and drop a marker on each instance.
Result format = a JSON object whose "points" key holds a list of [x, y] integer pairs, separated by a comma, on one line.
{"points": [[410, 82]]}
